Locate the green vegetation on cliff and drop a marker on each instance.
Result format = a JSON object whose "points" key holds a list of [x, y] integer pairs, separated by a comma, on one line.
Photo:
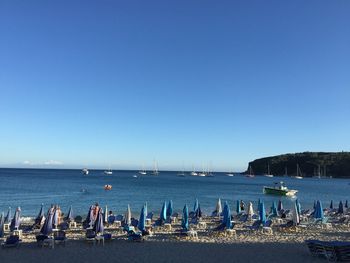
{"points": [[335, 164]]}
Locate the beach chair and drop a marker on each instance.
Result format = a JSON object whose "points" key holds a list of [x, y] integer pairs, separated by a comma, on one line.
{"points": [[44, 240], [12, 241], [255, 226], [135, 236], [59, 237], [90, 236]]}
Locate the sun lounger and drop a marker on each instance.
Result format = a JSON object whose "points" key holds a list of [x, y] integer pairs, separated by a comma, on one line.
{"points": [[12, 241], [59, 237], [90, 236], [332, 251], [135, 236]]}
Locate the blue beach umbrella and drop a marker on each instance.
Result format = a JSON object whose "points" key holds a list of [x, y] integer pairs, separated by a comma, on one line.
{"points": [[163, 212], [195, 207], [346, 204], [319, 211], [7, 219], [259, 204], [146, 209], [224, 213], [41, 212], [274, 212], [238, 207], [142, 221], [89, 221], [199, 211], [341, 208], [169, 211], [47, 226], [297, 203], [262, 213], [228, 223], [16, 220], [331, 205], [2, 218], [184, 223], [98, 226], [280, 206], [70, 216], [315, 205]]}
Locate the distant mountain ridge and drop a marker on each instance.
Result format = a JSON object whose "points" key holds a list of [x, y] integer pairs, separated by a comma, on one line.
{"points": [[325, 164]]}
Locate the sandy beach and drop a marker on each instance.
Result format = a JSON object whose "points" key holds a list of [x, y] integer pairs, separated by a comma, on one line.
{"points": [[153, 251]]}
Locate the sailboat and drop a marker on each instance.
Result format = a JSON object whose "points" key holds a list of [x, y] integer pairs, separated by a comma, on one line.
{"points": [[210, 174], [155, 170], [299, 174], [251, 175], [143, 171], [203, 173], [268, 171], [182, 173], [194, 173], [108, 172]]}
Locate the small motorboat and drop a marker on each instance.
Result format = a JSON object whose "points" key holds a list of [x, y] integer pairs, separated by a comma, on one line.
{"points": [[108, 172], [135, 176], [279, 189], [85, 171], [108, 187], [230, 174]]}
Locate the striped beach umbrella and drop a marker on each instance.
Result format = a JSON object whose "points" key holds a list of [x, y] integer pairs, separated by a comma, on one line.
{"points": [[128, 216], [70, 216], [7, 219], [295, 215], [297, 203]]}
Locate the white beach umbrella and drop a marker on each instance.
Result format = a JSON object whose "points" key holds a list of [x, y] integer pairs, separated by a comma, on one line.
{"points": [[106, 215], [295, 215], [128, 216], [218, 208], [250, 211]]}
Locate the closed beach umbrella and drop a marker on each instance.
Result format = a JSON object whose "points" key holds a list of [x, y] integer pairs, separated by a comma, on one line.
{"points": [[7, 219], [250, 211], [295, 215], [163, 212], [346, 204], [341, 208], [238, 207], [218, 208], [298, 206], [47, 227], [128, 216], [262, 213], [16, 220], [70, 216], [89, 221], [195, 207], [274, 209], [41, 213], [331, 205], [228, 218], [315, 205], [55, 218], [280, 206], [169, 211], [98, 226], [199, 211], [105, 215], [146, 209], [184, 222], [224, 213], [319, 211], [2, 218], [142, 221]]}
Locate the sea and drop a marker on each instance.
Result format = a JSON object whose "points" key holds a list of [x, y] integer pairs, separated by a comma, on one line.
{"points": [[29, 188]]}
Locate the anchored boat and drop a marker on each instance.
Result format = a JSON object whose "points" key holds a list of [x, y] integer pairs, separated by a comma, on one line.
{"points": [[279, 189]]}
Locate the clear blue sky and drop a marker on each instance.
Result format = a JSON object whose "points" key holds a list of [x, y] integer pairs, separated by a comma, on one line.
{"points": [[121, 83]]}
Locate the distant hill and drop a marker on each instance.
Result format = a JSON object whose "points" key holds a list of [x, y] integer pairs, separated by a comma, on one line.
{"points": [[335, 164]]}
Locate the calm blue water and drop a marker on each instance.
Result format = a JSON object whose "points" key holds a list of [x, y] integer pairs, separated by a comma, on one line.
{"points": [[28, 188]]}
